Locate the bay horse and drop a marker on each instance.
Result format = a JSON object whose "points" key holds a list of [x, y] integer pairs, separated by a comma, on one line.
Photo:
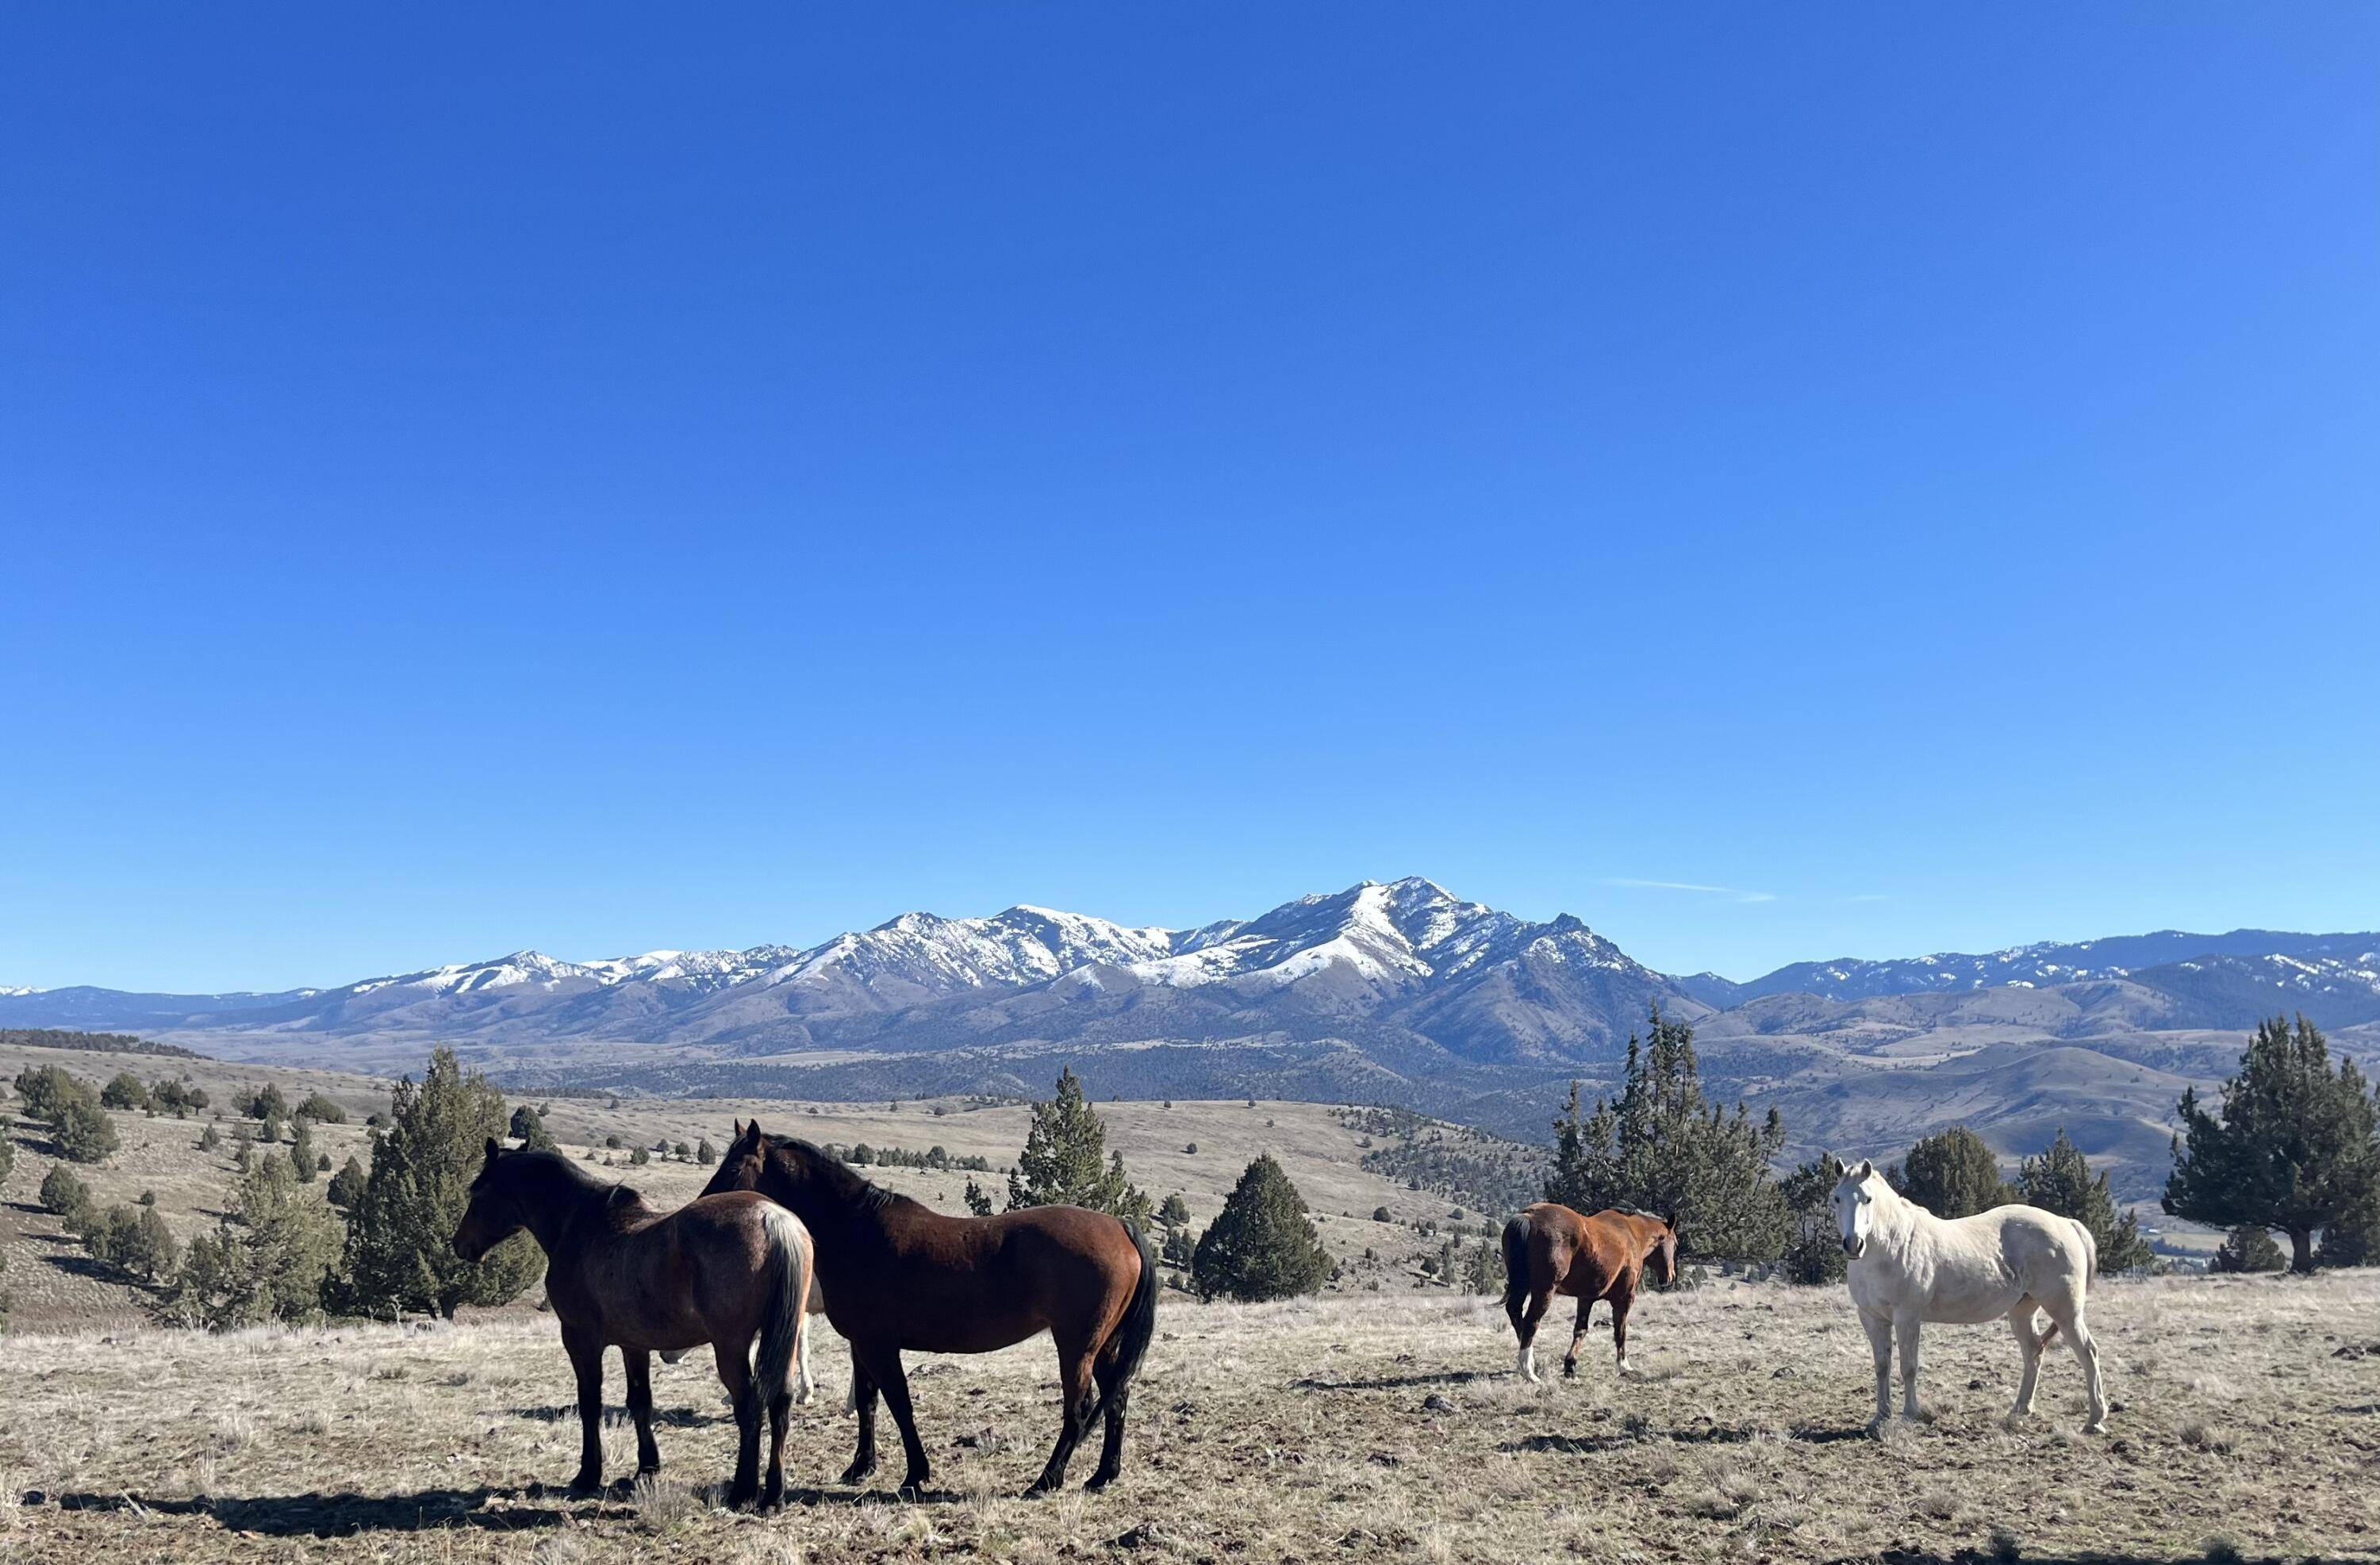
{"points": [[1906, 1266], [900, 1277], [722, 1270], [1549, 1249]]}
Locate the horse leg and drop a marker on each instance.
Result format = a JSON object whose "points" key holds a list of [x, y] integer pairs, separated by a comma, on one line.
{"points": [[780, 1407], [863, 1403], [1906, 1327], [1115, 1388], [1526, 1327], [1622, 1298], [1879, 1340], [736, 1373], [2086, 1354], [586, 1349], [1577, 1338], [894, 1383], [640, 1407], [2028, 1344], [1074, 1390]]}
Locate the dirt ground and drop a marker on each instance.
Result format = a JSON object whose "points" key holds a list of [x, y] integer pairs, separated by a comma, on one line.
{"points": [[1390, 1426]]}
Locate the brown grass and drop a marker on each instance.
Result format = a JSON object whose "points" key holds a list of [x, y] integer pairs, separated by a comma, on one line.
{"points": [[1295, 1431]]}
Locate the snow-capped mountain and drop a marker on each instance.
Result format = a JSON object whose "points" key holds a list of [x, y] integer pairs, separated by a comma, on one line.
{"points": [[1377, 957], [2039, 967]]}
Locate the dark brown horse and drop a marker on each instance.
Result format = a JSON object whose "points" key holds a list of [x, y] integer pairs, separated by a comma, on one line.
{"points": [[1550, 1249], [900, 1277], [724, 1269]]}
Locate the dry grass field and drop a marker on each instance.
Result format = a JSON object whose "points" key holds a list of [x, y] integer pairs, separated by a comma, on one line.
{"points": [[1356, 1427]]}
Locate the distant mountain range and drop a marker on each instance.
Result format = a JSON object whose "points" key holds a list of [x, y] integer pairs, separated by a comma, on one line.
{"points": [[1397, 992]]}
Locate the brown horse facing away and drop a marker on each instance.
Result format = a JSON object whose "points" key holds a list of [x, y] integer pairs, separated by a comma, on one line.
{"points": [[1549, 1249], [900, 1277], [724, 1269]]}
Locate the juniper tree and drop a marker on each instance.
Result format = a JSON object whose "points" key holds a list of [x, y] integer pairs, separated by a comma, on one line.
{"points": [[1261, 1245], [704, 1153], [210, 1138], [301, 1151], [323, 1110], [2352, 1240], [527, 1127], [2296, 1147], [1662, 1147], [65, 1196], [1815, 1253], [979, 1200], [2247, 1248], [133, 1240], [1176, 1211], [1951, 1174], [2060, 1181], [1066, 1162], [270, 1256], [125, 1090], [347, 1186], [399, 1254]]}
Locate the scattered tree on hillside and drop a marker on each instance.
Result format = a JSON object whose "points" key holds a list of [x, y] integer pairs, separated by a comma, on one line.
{"points": [[527, 1127], [1174, 1212], [321, 1111], [125, 1090], [82, 1131], [1815, 1253], [41, 1088], [399, 1254], [1663, 1147], [135, 1240], [264, 1103], [346, 1187], [210, 1138], [2296, 1147], [2060, 1181], [704, 1153], [2247, 1248], [301, 1152], [1065, 1163], [270, 1258], [1261, 1245], [63, 1194], [1951, 1174]]}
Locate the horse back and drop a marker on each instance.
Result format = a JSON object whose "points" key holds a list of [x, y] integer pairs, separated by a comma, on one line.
{"points": [[1574, 1254], [976, 1284]]}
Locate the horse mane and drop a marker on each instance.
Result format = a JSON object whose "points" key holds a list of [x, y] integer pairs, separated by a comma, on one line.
{"points": [[840, 1179], [539, 1173]]}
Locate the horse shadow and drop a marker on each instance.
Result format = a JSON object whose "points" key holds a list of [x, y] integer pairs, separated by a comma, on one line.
{"points": [[338, 1515], [664, 1417], [1394, 1382]]}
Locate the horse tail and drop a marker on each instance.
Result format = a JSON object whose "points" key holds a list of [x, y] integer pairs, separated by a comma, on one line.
{"points": [[1139, 1326], [1516, 1266], [2090, 1251], [785, 1330]]}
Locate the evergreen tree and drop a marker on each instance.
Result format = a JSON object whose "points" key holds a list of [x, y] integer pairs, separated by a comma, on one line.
{"points": [[2353, 1240], [400, 1230], [321, 1111], [527, 1127], [1065, 1161], [1815, 1253], [43, 1088], [125, 1090], [210, 1138], [1261, 1245], [82, 1133], [301, 1152], [346, 1187], [135, 1240], [704, 1153], [2060, 1181], [2247, 1248], [640, 1157], [270, 1258], [2297, 1146], [8, 1150], [1175, 1212], [63, 1194], [979, 1200], [1662, 1147], [1951, 1174]]}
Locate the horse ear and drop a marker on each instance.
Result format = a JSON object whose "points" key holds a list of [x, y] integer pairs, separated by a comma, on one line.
{"points": [[739, 1127], [1867, 1166], [752, 1130], [493, 1149]]}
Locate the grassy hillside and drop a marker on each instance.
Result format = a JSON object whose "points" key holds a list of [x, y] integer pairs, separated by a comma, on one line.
{"points": [[56, 1286]]}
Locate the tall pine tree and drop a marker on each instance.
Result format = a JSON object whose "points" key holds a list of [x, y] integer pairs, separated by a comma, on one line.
{"points": [[1662, 1147], [400, 1252], [2296, 1148], [1065, 1161]]}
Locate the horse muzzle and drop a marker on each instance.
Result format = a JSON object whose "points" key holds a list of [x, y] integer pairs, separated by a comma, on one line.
{"points": [[1853, 1248]]}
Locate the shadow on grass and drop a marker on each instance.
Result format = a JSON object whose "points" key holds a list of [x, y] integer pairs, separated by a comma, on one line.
{"points": [[1397, 1382], [1712, 1435], [342, 1515], [664, 1417]]}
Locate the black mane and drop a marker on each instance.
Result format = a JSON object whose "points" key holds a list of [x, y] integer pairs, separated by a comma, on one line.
{"points": [[542, 1171], [840, 1176]]}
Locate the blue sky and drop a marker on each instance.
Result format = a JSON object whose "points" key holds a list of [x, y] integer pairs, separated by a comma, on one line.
{"points": [[596, 479]]}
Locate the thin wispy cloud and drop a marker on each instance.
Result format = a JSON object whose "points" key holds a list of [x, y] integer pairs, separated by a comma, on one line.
{"points": [[1733, 893]]}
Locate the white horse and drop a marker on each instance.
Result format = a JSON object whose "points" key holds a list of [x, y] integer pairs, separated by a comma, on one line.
{"points": [[1907, 1265]]}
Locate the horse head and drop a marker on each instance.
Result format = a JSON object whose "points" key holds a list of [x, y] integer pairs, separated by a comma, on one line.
{"points": [[743, 1164], [1662, 1260], [493, 1215], [1854, 1202]]}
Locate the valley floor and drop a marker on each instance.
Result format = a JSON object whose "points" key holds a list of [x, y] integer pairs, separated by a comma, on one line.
{"points": [[1349, 1428]]}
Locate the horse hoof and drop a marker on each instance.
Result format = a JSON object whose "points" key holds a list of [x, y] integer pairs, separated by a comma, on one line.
{"points": [[1099, 1480], [587, 1484], [858, 1473], [2096, 1426]]}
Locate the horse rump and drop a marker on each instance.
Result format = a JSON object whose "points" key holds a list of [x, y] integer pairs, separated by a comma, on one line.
{"points": [[1516, 1268]]}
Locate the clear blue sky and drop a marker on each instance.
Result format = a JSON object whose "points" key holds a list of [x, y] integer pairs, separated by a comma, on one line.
{"points": [[602, 479]]}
